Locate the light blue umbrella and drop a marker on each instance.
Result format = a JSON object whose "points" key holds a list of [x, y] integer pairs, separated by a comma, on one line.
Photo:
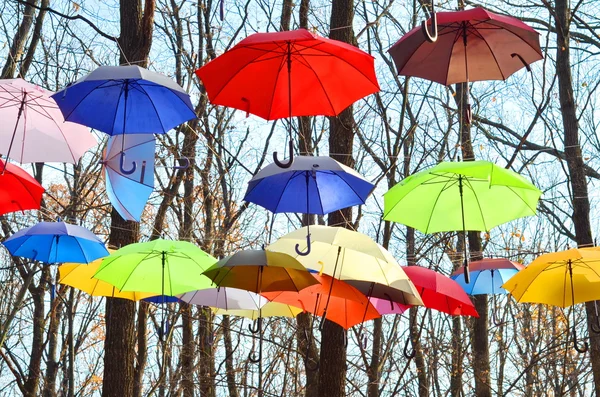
{"points": [[129, 186], [125, 100], [56, 242]]}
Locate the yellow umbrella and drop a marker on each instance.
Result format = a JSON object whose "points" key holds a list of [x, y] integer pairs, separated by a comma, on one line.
{"points": [[79, 276], [270, 309], [354, 258], [560, 279]]}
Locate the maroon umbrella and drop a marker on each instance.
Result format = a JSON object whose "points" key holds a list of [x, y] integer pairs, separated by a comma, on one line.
{"points": [[492, 47]]}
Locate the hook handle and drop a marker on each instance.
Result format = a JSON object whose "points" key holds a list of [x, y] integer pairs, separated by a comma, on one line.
{"points": [[122, 168], [184, 166], [255, 329], [409, 355], [466, 271], [307, 247], [287, 164], [389, 299], [513, 55], [576, 343], [431, 37], [253, 358]]}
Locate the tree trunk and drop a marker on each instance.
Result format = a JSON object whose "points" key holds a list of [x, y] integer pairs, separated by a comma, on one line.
{"points": [[575, 164], [19, 41], [479, 332], [310, 353], [205, 351], [332, 368], [35, 39], [142, 346], [229, 369], [49, 389], [38, 326]]}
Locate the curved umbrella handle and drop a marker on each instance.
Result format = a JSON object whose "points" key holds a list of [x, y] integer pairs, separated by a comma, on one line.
{"points": [[255, 329], [389, 299], [409, 355], [576, 343], [122, 168], [522, 60], [253, 358], [185, 166], [431, 37], [307, 247], [289, 163]]}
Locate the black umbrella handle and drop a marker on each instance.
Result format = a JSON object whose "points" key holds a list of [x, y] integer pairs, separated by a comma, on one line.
{"points": [[290, 161], [466, 272]]}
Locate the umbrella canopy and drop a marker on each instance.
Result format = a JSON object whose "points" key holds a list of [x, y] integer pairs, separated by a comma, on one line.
{"points": [[472, 45], [291, 73], [159, 266], [81, 277], [260, 271], [440, 292], [560, 279], [487, 276], [334, 299], [470, 195], [312, 185], [384, 306], [129, 173], [56, 242], [225, 298], [138, 101], [19, 191], [270, 309], [33, 128], [354, 258]]}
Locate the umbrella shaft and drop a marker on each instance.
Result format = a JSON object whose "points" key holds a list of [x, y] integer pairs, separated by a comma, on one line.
{"points": [[12, 139]]}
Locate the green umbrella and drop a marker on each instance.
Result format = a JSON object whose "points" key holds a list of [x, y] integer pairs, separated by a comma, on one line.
{"points": [[159, 266], [470, 195]]}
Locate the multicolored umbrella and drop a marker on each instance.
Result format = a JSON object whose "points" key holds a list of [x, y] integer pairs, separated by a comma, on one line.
{"points": [[158, 266], [34, 130], [453, 196], [56, 242], [19, 191], [290, 73], [138, 100], [129, 173], [561, 279]]}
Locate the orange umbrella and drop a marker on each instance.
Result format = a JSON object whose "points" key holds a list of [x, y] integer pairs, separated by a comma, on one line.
{"points": [[333, 299]]}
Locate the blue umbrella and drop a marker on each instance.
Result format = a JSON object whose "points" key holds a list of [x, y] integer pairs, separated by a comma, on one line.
{"points": [[56, 242], [129, 186], [125, 100], [162, 299], [312, 185], [487, 277]]}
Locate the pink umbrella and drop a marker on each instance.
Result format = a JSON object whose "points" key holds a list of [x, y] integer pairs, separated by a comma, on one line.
{"points": [[33, 128], [385, 306]]}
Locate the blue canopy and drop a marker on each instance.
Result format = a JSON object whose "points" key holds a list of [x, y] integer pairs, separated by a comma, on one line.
{"points": [[312, 185], [125, 99], [56, 242], [484, 282]]}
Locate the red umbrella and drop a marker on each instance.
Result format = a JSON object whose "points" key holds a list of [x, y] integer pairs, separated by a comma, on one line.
{"points": [[440, 292], [492, 47], [291, 73], [19, 191]]}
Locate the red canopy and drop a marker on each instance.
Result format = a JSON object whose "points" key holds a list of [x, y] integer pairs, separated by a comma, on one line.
{"points": [[472, 45], [440, 292], [19, 191], [326, 76]]}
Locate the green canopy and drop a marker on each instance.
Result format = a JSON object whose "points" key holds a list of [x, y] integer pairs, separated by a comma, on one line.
{"points": [[159, 266], [454, 196]]}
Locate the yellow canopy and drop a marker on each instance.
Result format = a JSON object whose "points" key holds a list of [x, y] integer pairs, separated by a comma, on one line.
{"points": [[270, 309], [80, 276], [548, 279]]}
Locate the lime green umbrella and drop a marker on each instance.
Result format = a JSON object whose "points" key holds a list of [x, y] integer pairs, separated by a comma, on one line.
{"points": [[159, 266], [470, 195]]}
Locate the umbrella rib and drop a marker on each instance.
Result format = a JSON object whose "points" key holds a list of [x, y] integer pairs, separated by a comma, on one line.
{"points": [[318, 192], [282, 192], [142, 89], [493, 55], [101, 82], [491, 22], [521, 198], [130, 273], [435, 204], [117, 111], [468, 183], [281, 66], [117, 196], [350, 186]]}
